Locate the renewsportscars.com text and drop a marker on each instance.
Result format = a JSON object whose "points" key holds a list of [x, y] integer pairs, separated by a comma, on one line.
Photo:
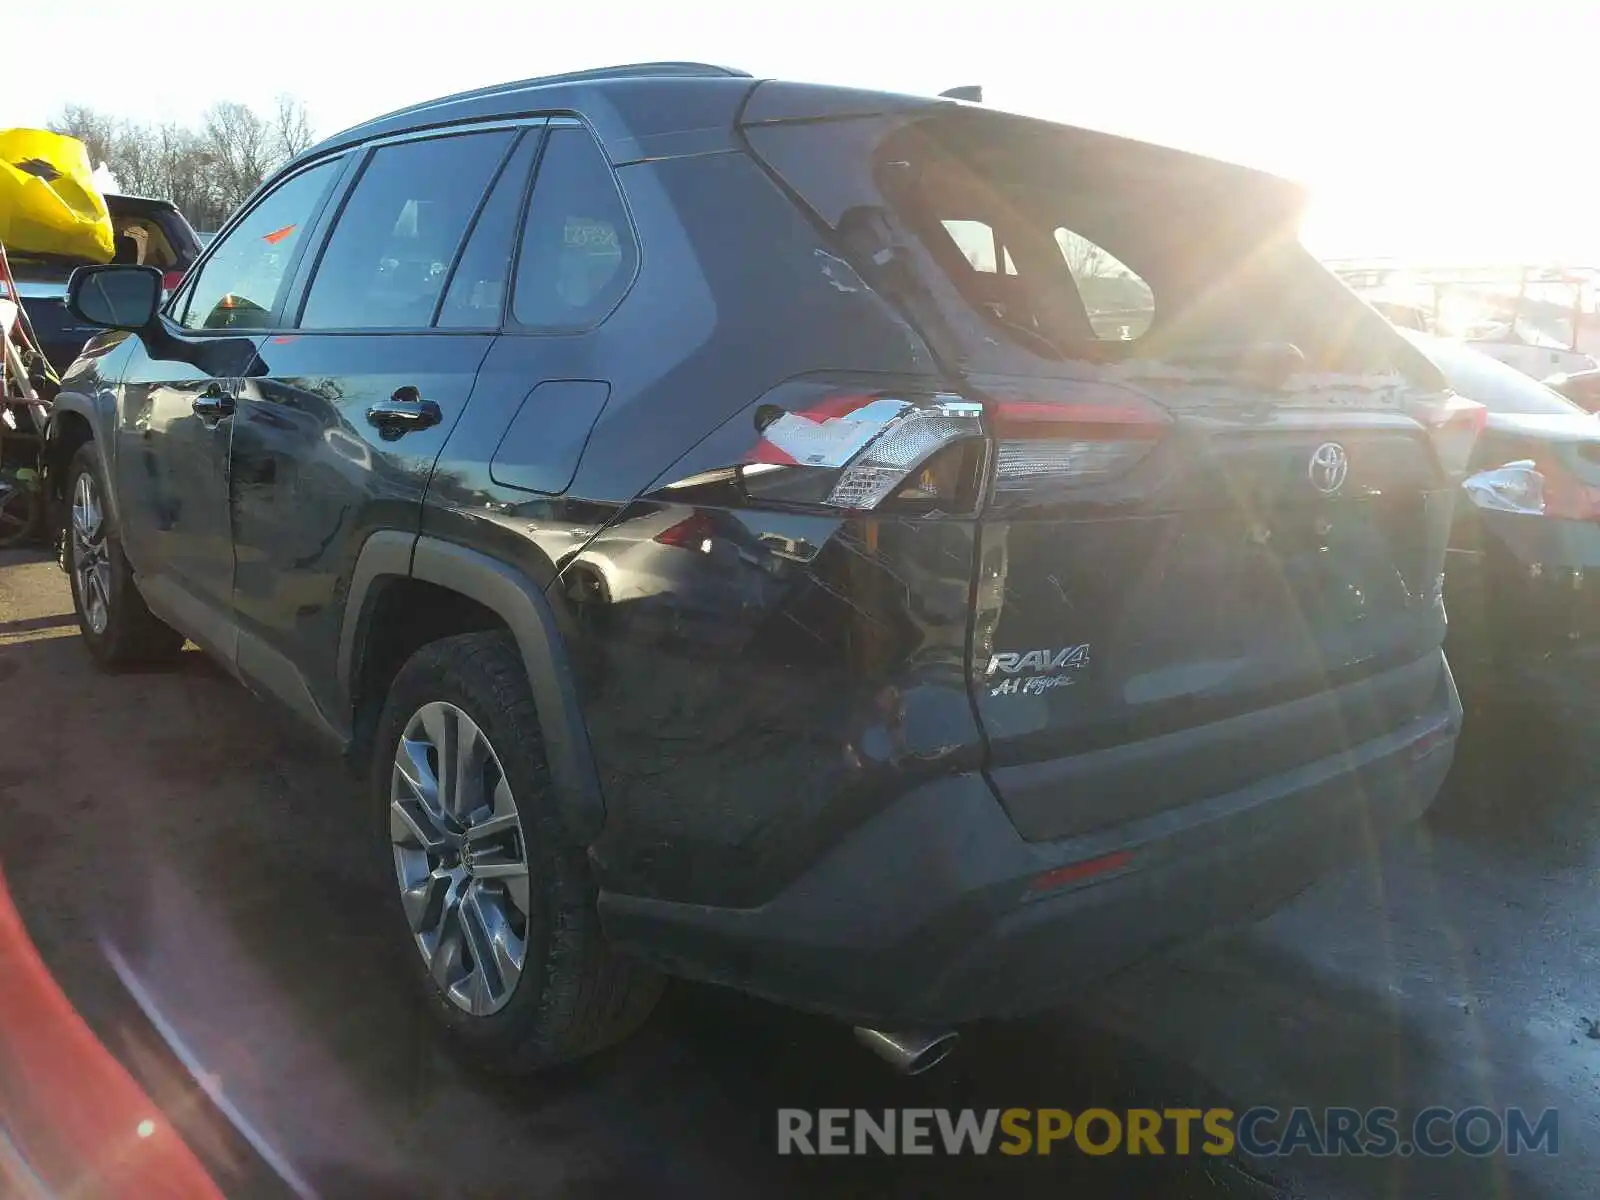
{"points": [[1258, 1132]]}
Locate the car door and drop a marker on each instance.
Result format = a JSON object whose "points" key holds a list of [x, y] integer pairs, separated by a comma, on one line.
{"points": [[337, 430], [549, 375], [178, 395]]}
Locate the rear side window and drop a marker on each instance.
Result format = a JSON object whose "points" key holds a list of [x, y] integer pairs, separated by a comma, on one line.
{"points": [[238, 286], [578, 251], [385, 262]]}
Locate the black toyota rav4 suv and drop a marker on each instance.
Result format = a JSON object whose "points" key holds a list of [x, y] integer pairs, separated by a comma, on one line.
{"points": [[876, 552]]}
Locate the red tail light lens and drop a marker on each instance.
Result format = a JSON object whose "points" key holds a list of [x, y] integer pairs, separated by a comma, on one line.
{"points": [[171, 280], [1049, 445], [1565, 496], [694, 532]]}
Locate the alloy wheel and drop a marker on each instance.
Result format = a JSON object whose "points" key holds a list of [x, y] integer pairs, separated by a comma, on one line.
{"points": [[91, 564], [460, 858]]}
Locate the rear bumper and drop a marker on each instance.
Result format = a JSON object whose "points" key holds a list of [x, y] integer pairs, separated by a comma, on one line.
{"points": [[924, 916]]}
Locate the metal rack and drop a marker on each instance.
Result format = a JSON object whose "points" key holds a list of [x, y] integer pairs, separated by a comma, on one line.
{"points": [[25, 381], [1559, 301], [1516, 284]]}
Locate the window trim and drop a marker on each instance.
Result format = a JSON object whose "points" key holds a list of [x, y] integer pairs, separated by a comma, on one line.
{"points": [[509, 322], [540, 130], [293, 313], [185, 295]]}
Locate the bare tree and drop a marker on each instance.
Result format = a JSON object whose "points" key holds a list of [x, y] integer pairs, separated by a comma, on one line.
{"points": [[96, 130], [291, 125], [1085, 259], [242, 149], [206, 170], [183, 169], [136, 160]]}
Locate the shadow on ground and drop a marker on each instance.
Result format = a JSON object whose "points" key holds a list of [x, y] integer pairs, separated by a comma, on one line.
{"points": [[172, 820]]}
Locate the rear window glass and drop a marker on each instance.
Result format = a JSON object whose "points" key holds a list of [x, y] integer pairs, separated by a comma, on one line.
{"points": [[1118, 303], [1017, 252], [1043, 244], [1115, 303], [980, 246]]}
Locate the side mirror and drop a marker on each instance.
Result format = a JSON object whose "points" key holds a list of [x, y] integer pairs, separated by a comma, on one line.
{"points": [[114, 296]]}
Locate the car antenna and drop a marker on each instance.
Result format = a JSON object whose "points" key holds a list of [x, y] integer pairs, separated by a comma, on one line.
{"points": [[970, 91]]}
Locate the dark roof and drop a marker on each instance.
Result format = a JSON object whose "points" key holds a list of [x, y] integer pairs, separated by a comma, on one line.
{"points": [[627, 103], [644, 111]]}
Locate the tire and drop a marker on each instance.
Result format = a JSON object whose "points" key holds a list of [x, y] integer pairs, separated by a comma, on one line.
{"points": [[572, 994], [118, 628]]}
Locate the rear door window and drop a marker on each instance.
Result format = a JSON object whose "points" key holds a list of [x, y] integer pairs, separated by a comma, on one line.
{"points": [[385, 262], [578, 250], [478, 287]]}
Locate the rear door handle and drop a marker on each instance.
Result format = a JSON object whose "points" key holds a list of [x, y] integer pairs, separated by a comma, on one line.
{"points": [[213, 404], [403, 412]]}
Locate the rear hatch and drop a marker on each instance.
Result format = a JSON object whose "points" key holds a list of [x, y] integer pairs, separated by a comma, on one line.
{"points": [[1219, 484]]}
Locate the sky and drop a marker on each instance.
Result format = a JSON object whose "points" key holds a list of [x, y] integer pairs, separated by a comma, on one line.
{"points": [[1463, 130]]}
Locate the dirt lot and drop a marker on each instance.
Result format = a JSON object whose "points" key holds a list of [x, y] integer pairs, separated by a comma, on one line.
{"points": [[170, 827]]}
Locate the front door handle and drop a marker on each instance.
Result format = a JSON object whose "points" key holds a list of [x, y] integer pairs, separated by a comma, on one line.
{"points": [[213, 404], [403, 412]]}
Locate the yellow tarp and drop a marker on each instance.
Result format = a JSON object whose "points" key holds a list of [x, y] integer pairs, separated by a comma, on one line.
{"points": [[48, 201]]}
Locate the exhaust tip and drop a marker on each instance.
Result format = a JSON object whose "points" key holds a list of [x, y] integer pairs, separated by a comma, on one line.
{"points": [[911, 1052]]}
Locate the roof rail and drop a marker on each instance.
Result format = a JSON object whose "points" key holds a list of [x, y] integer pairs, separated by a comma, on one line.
{"points": [[647, 70]]}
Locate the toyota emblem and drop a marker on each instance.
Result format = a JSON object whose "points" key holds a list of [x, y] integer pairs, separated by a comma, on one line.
{"points": [[1329, 465]]}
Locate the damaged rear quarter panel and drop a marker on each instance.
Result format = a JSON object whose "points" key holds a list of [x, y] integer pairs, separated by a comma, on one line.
{"points": [[767, 688]]}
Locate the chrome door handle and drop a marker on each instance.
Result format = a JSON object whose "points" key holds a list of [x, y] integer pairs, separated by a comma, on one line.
{"points": [[403, 412], [213, 404]]}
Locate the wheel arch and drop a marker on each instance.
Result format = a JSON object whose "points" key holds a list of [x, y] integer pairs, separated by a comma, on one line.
{"points": [[390, 556], [71, 424]]}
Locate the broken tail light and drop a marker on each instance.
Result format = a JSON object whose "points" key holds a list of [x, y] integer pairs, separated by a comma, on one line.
{"points": [[917, 452], [1043, 446], [855, 451]]}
